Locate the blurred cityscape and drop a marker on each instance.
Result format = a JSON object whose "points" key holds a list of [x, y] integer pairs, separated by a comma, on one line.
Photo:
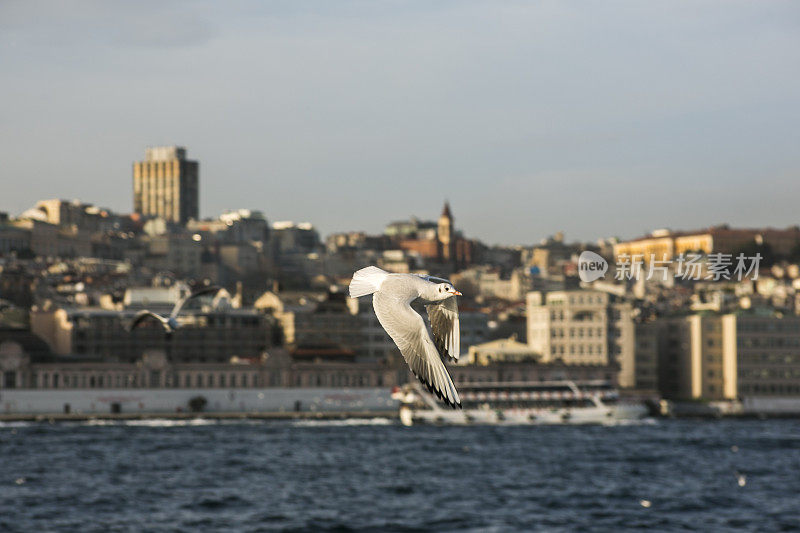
{"points": [[73, 274]]}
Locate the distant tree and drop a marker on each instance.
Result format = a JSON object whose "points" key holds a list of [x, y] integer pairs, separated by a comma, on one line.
{"points": [[26, 254], [794, 254], [768, 256]]}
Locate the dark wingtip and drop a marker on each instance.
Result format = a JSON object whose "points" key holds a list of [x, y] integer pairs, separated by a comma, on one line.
{"points": [[439, 394], [441, 347]]}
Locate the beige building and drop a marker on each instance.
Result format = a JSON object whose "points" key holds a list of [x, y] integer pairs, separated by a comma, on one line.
{"points": [[583, 327], [665, 245], [166, 185]]}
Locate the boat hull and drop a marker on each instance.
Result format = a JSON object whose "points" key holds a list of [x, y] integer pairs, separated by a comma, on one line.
{"points": [[606, 415]]}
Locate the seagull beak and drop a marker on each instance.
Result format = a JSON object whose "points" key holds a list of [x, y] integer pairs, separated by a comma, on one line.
{"points": [[457, 293]]}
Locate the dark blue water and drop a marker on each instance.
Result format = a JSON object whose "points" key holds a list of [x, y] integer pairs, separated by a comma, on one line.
{"points": [[262, 476]]}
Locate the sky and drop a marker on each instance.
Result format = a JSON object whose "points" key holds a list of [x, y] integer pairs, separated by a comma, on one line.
{"points": [[597, 119]]}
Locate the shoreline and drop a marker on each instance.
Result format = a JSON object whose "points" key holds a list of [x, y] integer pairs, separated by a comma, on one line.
{"points": [[311, 415], [276, 415]]}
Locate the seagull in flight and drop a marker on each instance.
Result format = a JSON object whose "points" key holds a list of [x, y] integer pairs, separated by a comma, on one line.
{"points": [[170, 323], [392, 295]]}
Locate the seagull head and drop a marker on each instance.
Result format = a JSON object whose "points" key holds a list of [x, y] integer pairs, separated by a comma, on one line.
{"points": [[445, 290]]}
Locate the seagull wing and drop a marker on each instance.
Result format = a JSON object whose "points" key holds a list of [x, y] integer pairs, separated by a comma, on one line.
{"points": [[443, 316], [407, 329], [433, 279], [200, 292], [141, 316]]}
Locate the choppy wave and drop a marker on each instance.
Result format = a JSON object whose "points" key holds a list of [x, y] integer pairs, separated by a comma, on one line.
{"points": [[168, 423], [632, 422], [15, 424], [321, 475], [345, 422], [152, 422]]}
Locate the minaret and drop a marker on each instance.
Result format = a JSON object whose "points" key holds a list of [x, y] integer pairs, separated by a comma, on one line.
{"points": [[445, 233]]}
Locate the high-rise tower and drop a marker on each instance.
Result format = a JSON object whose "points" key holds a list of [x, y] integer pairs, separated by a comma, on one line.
{"points": [[166, 184]]}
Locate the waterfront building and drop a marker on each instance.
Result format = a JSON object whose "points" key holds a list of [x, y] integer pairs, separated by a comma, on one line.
{"points": [[583, 327], [27, 363], [736, 356]]}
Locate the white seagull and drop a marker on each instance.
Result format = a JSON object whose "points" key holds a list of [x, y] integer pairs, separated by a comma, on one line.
{"points": [[392, 297], [169, 323]]}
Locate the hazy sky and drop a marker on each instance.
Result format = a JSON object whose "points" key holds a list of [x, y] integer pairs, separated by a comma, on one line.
{"points": [[595, 118]]}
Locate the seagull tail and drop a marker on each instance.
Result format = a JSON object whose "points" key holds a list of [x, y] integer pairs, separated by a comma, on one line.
{"points": [[366, 281]]}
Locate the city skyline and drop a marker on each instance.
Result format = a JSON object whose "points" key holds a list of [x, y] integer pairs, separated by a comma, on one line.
{"points": [[332, 265], [529, 119]]}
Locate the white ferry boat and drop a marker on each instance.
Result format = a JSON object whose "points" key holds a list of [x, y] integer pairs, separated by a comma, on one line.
{"points": [[553, 402]]}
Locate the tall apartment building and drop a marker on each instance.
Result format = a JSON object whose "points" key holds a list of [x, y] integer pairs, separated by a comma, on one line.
{"points": [[166, 185], [583, 327]]}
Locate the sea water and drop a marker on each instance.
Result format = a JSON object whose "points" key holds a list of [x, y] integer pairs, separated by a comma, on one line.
{"points": [[375, 475]]}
